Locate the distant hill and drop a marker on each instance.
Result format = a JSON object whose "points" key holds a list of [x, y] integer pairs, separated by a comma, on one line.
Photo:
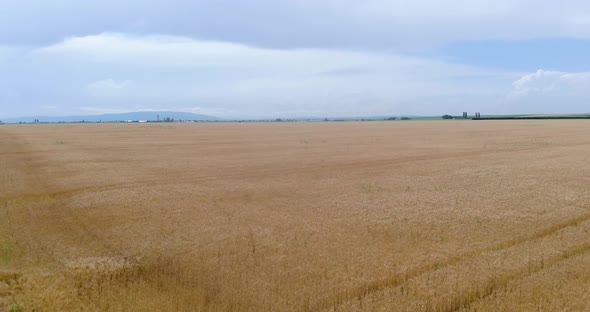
{"points": [[151, 116]]}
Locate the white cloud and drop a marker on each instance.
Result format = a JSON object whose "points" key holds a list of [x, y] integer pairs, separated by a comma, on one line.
{"points": [[250, 81], [235, 80], [100, 110], [546, 91], [170, 51], [107, 87], [552, 82], [113, 72]]}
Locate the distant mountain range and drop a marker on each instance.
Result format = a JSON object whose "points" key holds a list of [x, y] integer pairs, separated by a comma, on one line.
{"points": [[134, 116]]}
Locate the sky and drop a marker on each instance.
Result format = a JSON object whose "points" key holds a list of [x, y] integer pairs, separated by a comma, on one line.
{"points": [[294, 58]]}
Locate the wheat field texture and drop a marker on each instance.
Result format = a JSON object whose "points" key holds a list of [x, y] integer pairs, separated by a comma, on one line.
{"points": [[325, 216]]}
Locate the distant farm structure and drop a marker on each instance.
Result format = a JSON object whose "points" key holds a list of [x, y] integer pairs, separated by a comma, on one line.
{"points": [[530, 117], [478, 116]]}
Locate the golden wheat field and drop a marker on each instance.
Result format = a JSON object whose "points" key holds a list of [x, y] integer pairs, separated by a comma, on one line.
{"points": [[325, 216]]}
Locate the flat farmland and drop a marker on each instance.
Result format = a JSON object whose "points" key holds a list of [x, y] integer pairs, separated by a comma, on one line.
{"points": [[324, 216]]}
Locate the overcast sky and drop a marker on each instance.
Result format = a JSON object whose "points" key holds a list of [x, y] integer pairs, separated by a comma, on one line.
{"points": [[294, 58]]}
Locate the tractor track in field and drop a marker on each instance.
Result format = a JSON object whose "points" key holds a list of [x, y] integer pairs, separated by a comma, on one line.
{"points": [[467, 298], [399, 279]]}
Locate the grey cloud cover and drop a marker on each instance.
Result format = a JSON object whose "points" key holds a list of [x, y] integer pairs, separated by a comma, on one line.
{"points": [[271, 58], [297, 23], [115, 70]]}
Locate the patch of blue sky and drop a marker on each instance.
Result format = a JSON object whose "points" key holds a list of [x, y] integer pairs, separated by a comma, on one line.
{"points": [[565, 54]]}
